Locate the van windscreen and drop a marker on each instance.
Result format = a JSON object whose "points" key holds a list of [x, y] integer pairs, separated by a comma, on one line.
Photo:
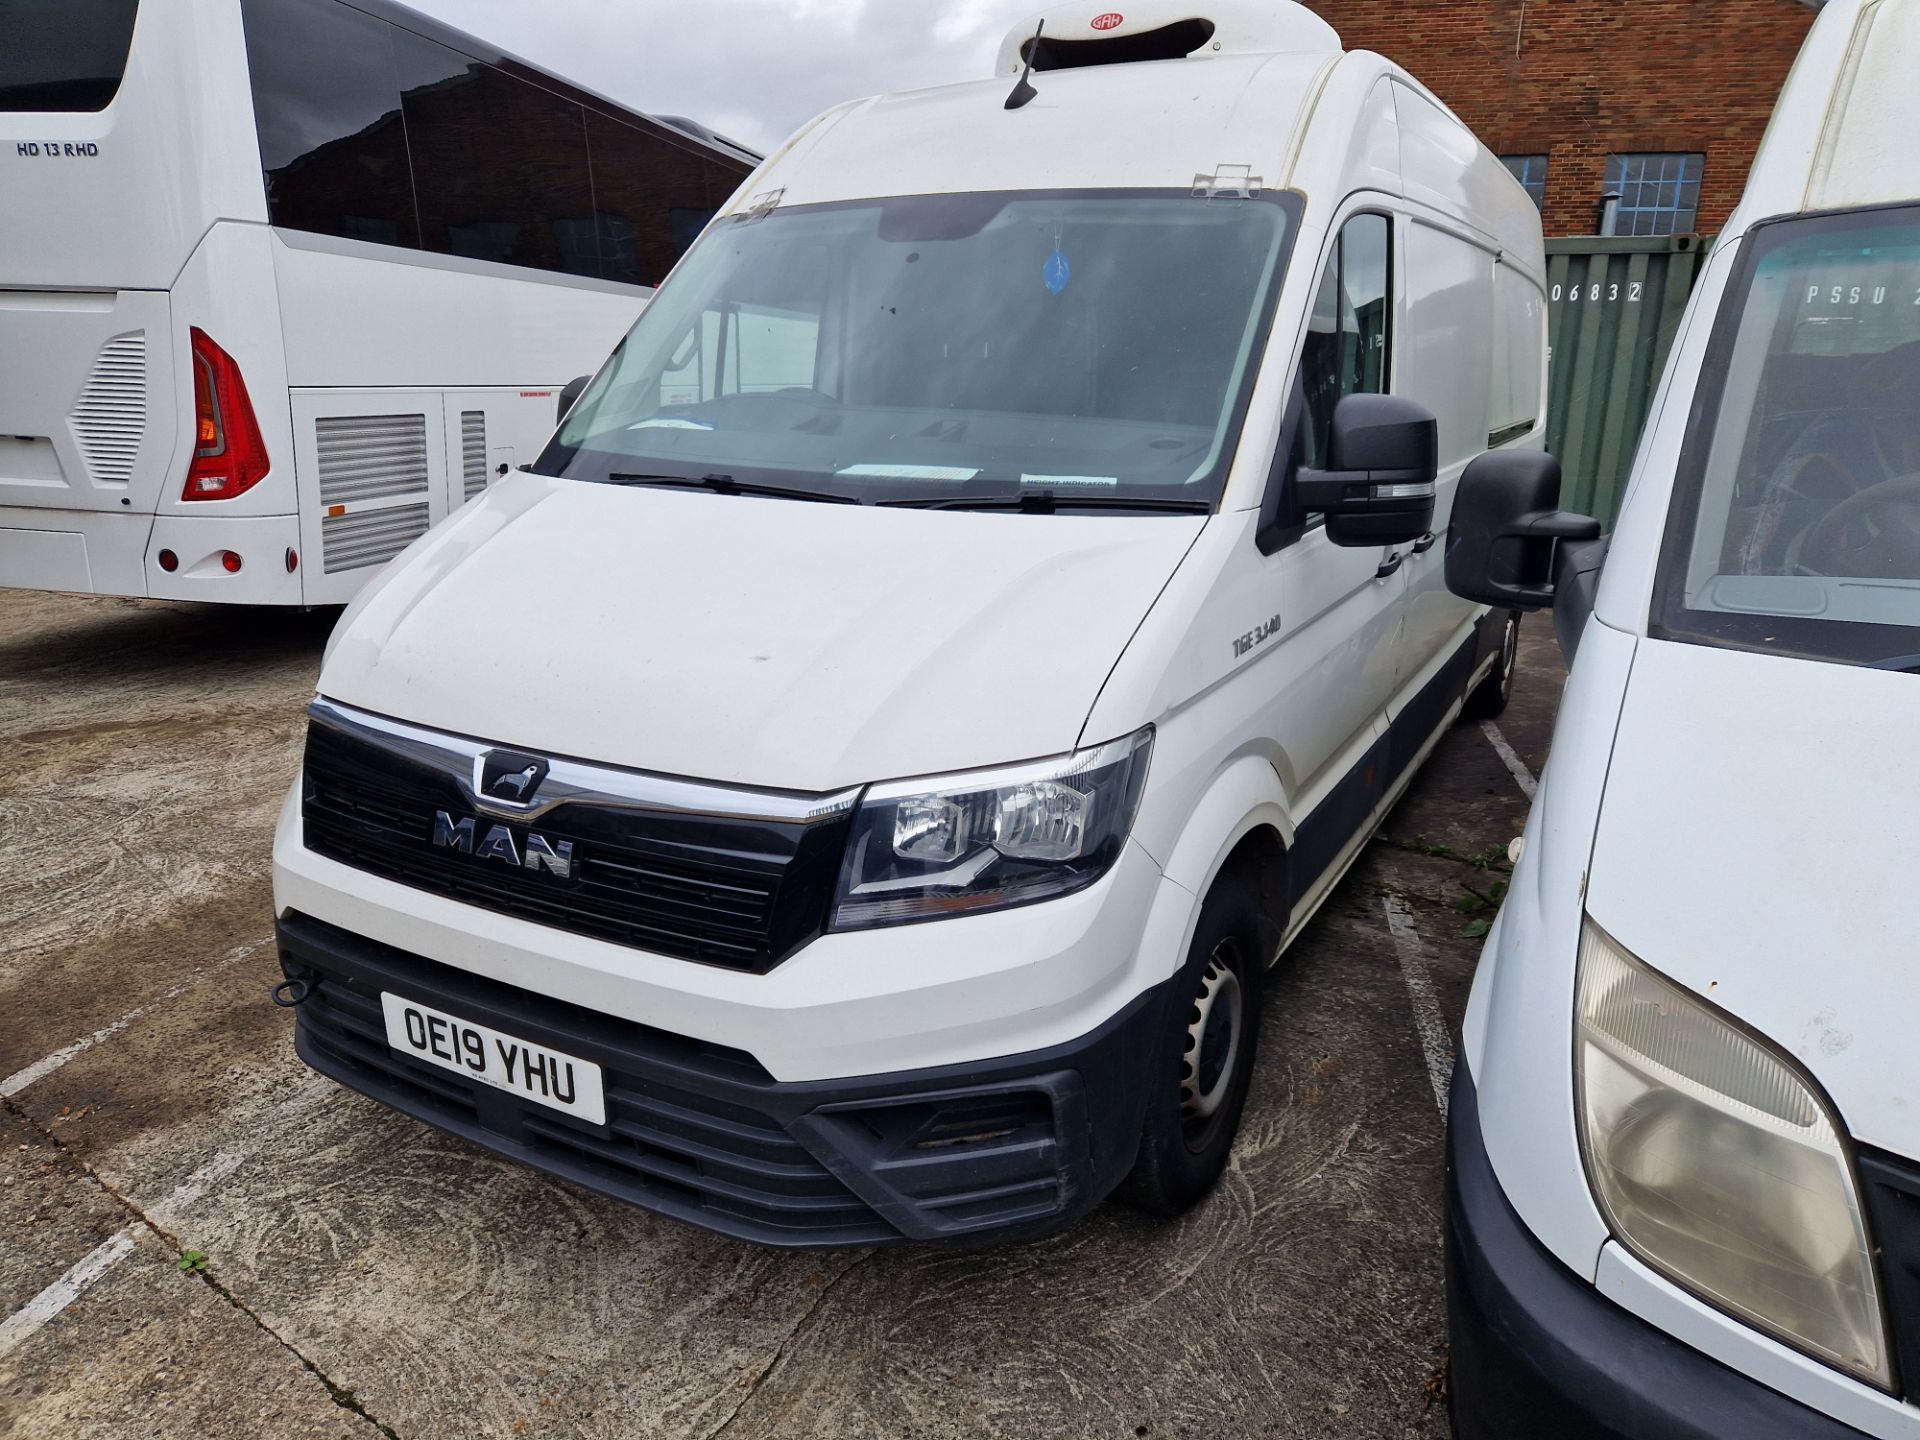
{"points": [[56, 55], [1796, 515], [942, 348]]}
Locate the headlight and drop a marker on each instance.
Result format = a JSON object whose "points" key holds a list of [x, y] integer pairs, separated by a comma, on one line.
{"points": [[1717, 1164], [957, 844]]}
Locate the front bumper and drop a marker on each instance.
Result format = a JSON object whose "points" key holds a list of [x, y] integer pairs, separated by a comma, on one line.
{"points": [[1004, 1148], [1536, 1350]]}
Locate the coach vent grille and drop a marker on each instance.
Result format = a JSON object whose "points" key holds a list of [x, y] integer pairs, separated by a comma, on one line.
{"points": [[372, 537], [371, 457], [473, 451], [111, 418]]}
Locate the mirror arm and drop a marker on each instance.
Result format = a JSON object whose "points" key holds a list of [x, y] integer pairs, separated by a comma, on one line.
{"points": [[1558, 525], [1555, 525]]}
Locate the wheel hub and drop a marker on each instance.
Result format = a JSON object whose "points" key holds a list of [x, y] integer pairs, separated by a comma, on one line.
{"points": [[1214, 1028]]}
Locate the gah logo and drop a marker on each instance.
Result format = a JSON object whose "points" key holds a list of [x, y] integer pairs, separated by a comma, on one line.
{"points": [[1112, 20]]}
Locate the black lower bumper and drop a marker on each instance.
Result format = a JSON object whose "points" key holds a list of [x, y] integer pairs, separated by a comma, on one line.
{"points": [[1537, 1351], [1004, 1149]]}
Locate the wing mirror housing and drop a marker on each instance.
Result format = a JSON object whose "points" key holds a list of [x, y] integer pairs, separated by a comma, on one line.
{"points": [[1383, 462], [1509, 545], [569, 393]]}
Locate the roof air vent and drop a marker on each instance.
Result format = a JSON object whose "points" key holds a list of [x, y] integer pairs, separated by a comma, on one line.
{"points": [[1121, 32], [1170, 42]]}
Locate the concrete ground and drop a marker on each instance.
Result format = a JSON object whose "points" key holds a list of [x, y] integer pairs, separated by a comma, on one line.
{"points": [[365, 1275]]}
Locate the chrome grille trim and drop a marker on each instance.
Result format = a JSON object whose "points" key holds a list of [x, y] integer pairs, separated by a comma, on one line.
{"points": [[457, 758]]}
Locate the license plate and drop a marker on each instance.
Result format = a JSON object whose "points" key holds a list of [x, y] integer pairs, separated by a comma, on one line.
{"points": [[506, 1062]]}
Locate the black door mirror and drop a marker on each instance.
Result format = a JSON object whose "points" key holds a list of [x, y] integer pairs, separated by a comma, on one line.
{"points": [[1383, 459], [569, 393], [1509, 544]]}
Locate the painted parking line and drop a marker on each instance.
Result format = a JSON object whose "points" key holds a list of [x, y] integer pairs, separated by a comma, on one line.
{"points": [[47, 1064], [33, 1316], [1516, 767], [1435, 1041]]}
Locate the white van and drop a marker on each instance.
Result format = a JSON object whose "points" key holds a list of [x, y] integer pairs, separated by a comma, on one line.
{"points": [[283, 282], [1685, 1134], [854, 788]]}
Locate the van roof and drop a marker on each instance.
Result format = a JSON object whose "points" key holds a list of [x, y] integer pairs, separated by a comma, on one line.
{"points": [[1116, 126], [1842, 135]]}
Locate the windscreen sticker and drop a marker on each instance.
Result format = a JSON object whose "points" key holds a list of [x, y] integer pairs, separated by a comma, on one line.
{"points": [[1057, 271], [1050, 481], [672, 425], [910, 472]]}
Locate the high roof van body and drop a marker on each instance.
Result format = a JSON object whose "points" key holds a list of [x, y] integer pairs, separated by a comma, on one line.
{"points": [[852, 790], [1685, 1133]]}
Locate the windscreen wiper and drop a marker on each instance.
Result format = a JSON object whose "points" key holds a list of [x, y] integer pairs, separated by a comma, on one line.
{"points": [[1908, 663], [727, 485], [1047, 502]]}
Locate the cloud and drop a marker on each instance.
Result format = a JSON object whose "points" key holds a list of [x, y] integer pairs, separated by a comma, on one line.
{"points": [[752, 69]]}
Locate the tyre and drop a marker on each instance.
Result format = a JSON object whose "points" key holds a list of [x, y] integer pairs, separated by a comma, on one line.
{"points": [[1203, 1067], [1488, 699]]}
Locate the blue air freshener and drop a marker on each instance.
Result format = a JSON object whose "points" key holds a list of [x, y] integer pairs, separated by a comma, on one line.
{"points": [[1057, 272]]}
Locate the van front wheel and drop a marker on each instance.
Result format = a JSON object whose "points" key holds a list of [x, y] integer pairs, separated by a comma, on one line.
{"points": [[1488, 700], [1204, 1066]]}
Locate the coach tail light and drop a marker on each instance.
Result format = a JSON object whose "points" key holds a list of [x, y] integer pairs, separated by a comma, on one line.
{"points": [[229, 457]]}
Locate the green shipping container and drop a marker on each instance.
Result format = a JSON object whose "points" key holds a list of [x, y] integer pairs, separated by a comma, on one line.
{"points": [[1613, 308]]}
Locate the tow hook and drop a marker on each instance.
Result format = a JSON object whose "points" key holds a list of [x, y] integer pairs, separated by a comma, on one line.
{"points": [[291, 994]]}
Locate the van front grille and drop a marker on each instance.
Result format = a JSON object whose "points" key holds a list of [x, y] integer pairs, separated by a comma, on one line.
{"points": [[737, 892]]}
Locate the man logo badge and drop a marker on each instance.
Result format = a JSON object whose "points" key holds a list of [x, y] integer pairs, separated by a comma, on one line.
{"points": [[508, 777], [535, 853]]}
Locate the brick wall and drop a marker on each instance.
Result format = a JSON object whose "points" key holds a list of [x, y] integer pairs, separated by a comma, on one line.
{"points": [[1577, 80]]}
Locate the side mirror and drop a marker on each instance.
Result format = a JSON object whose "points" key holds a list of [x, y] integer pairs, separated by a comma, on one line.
{"points": [[1383, 460], [570, 393], [1509, 544]]}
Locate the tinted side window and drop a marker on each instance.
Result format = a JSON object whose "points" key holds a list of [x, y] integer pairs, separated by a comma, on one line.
{"points": [[651, 198], [1349, 339], [499, 165], [326, 101], [373, 132], [56, 55]]}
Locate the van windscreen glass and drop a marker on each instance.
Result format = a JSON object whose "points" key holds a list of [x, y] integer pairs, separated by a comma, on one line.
{"points": [[1796, 519], [942, 349], [56, 55]]}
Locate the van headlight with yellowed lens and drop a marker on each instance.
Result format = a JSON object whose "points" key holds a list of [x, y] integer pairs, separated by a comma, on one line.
{"points": [[959, 844], [1716, 1163]]}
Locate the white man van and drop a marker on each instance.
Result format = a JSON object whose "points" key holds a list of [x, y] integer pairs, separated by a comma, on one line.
{"points": [[283, 282], [1685, 1132], [854, 787]]}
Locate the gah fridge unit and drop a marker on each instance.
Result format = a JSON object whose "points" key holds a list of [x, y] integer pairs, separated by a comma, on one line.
{"points": [[1685, 1133], [283, 282], [853, 788]]}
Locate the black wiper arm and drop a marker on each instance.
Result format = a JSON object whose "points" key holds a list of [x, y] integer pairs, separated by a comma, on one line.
{"points": [[1046, 502], [727, 485], [1908, 663]]}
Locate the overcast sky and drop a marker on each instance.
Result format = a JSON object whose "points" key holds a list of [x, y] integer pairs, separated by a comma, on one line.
{"points": [[751, 69]]}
